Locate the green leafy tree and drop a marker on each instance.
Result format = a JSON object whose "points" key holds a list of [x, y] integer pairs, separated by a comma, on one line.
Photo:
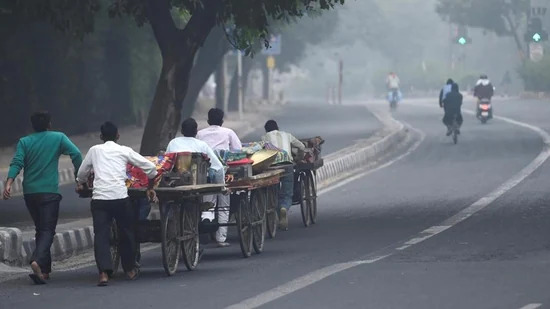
{"points": [[178, 42], [502, 17]]}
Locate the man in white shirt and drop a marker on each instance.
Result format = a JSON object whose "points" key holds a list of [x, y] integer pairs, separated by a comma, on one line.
{"points": [[284, 141], [110, 199], [189, 143], [392, 83], [219, 139]]}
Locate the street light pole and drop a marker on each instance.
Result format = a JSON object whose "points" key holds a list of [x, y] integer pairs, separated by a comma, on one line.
{"points": [[240, 83], [340, 80]]}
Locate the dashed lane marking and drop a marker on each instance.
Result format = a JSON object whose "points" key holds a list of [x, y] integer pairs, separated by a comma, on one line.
{"points": [[531, 306]]}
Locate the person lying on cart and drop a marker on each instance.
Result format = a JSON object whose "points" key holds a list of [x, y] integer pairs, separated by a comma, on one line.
{"points": [[220, 139], [189, 143], [284, 141], [110, 200]]}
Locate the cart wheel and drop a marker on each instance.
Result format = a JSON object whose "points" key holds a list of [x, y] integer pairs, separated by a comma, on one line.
{"points": [[244, 226], [114, 241], [304, 196], [170, 228], [190, 234], [258, 210], [272, 217], [312, 197]]}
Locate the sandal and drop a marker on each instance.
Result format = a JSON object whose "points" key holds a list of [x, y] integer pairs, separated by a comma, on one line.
{"points": [[135, 276], [103, 279], [37, 277]]}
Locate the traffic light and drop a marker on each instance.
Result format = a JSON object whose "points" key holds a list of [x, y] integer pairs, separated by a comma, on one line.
{"points": [[535, 32], [461, 36]]}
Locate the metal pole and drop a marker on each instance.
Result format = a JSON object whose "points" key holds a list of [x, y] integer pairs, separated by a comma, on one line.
{"points": [[340, 80], [240, 83]]}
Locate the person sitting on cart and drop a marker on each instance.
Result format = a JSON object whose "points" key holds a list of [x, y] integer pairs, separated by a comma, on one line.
{"points": [[284, 141], [110, 200], [220, 139], [189, 143]]}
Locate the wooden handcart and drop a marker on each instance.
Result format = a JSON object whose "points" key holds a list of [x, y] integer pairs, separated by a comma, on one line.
{"points": [[177, 230], [250, 198]]}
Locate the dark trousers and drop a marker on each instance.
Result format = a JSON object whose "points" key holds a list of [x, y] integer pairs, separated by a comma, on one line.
{"points": [[450, 116], [103, 213], [44, 210]]}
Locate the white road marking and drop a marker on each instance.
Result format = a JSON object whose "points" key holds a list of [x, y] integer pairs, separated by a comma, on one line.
{"points": [[318, 275], [531, 306], [300, 283]]}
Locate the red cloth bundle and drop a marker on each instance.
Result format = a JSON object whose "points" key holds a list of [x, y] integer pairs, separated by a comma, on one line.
{"points": [[240, 162], [138, 179]]}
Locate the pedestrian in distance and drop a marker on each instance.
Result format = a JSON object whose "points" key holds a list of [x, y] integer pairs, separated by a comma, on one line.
{"points": [[38, 155], [110, 200]]}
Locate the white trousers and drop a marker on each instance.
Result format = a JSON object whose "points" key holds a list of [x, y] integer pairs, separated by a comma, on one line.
{"points": [[221, 201]]}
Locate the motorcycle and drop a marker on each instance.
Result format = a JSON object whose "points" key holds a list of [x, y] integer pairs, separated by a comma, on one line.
{"points": [[484, 110]]}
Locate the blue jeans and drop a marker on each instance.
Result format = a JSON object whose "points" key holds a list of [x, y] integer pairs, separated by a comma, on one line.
{"points": [[287, 188], [399, 95]]}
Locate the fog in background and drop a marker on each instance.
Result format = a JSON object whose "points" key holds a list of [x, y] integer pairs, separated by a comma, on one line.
{"points": [[406, 36]]}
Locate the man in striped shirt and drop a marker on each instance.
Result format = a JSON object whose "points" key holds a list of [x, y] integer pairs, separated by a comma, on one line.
{"points": [[284, 141]]}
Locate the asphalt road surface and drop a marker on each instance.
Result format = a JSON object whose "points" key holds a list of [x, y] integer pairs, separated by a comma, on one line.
{"points": [[447, 226], [339, 126]]}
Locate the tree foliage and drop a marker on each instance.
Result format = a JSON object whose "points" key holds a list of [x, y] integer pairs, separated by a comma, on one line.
{"points": [[491, 15], [502, 17], [180, 27]]}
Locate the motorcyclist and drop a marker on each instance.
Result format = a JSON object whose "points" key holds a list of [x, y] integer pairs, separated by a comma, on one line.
{"points": [[445, 91], [452, 105], [392, 84], [484, 90]]}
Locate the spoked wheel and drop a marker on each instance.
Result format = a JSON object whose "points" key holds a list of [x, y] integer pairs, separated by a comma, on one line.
{"points": [[114, 241], [258, 210], [243, 225], [272, 217], [312, 197], [303, 182], [170, 238], [190, 234]]}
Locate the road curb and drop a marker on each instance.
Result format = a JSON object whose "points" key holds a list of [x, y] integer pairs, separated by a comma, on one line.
{"points": [[11, 240], [339, 165]]}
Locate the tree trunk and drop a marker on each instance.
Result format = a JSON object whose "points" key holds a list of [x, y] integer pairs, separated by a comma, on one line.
{"points": [[220, 85], [178, 49], [265, 81], [233, 100], [208, 59], [517, 40]]}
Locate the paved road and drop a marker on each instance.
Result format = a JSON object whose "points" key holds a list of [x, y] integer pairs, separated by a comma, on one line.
{"points": [[496, 258], [303, 120]]}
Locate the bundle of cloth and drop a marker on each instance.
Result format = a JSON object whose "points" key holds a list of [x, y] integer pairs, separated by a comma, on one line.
{"points": [[137, 178], [252, 148]]}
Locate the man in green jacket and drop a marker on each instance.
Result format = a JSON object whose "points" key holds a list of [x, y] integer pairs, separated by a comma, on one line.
{"points": [[38, 154]]}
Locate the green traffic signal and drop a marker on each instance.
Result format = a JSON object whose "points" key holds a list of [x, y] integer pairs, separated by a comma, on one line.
{"points": [[462, 40], [537, 37]]}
